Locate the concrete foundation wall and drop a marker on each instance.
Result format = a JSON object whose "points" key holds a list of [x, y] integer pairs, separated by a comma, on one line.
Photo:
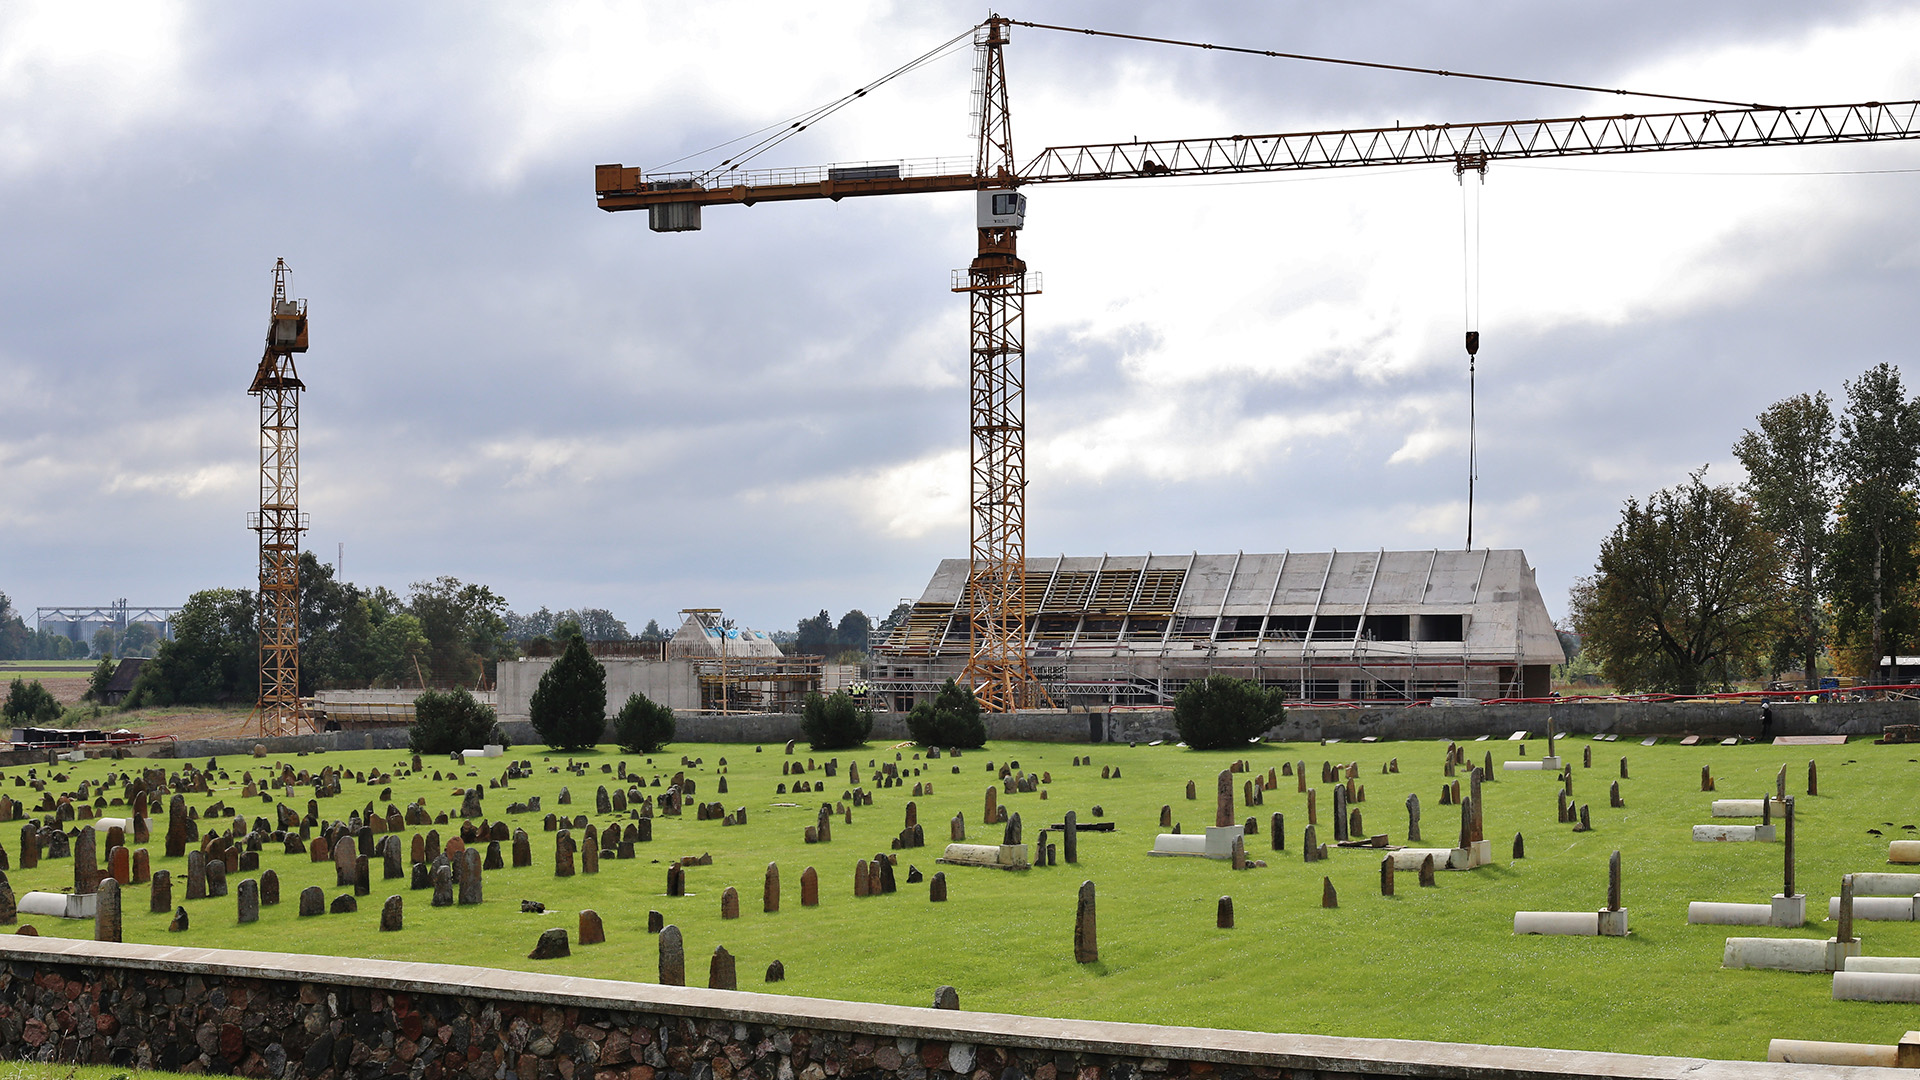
{"points": [[327, 1018]]}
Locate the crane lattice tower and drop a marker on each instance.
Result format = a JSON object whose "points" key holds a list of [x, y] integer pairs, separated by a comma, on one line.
{"points": [[279, 522]]}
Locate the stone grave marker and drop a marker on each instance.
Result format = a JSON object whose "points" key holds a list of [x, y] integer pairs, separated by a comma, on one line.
{"points": [[673, 958], [1086, 943]]}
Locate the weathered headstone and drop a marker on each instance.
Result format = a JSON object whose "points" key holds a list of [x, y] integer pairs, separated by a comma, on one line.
{"points": [[720, 970], [1844, 932], [1277, 832], [946, 998], [1223, 914], [937, 888], [1328, 898], [552, 945], [247, 901], [730, 903], [313, 901], [592, 930], [1386, 876], [1086, 939], [471, 891], [673, 957], [106, 910], [1813, 778], [391, 913], [269, 888], [1070, 839], [1787, 889], [442, 885], [1427, 879]]}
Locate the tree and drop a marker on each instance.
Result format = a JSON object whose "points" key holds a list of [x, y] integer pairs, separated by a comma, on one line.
{"points": [[14, 637], [97, 682], [643, 726], [834, 722], [598, 624], [1790, 481], [569, 706], [851, 634], [1878, 457], [445, 721], [29, 703], [398, 651], [1687, 586], [814, 637], [463, 624], [951, 719], [653, 632], [214, 654], [139, 640], [1220, 712]]}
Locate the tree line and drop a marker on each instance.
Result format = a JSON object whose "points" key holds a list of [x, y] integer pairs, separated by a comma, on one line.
{"points": [[1815, 555]]}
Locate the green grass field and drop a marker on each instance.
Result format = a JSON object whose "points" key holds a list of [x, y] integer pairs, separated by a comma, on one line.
{"points": [[1439, 963]]}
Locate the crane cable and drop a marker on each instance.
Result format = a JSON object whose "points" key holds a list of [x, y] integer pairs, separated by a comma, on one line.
{"points": [[1387, 67], [1470, 314], [776, 133]]}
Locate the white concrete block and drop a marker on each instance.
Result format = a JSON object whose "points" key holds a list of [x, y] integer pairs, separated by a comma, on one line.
{"points": [[1410, 858], [1875, 986], [1724, 833], [1566, 923], [1220, 840], [1803, 1052], [1612, 923], [1524, 766], [1701, 913], [1886, 884], [1745, 808], [57, 905], [1551, 763], [972, 854], [1787, 954], [1482, 852], [101, 825], [1875, 908], [1179, 844], [1789, 911], [1903, 851], [1898, 965]]}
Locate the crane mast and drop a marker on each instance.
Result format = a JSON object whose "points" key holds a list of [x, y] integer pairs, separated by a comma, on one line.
{"points": [[997, 282], [279, 522]]}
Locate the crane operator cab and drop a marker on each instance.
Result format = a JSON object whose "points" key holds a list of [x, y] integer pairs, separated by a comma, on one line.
{"points": [[1001, 208], [288, 332]]}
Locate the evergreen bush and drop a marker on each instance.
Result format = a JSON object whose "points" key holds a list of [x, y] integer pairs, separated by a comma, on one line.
{"points": [[445, 721], [951, 719], [836, 722], [569, 707], [643, 726], [1218, 712], [30, 703]]}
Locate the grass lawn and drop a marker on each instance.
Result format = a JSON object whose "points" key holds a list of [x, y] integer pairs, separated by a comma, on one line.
{"points": [[1438, 963]]}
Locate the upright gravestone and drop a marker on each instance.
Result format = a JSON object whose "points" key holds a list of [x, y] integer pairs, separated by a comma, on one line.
{"points": [[1223, 800], [720, 971], [1328, 898], [196, 875], [673, 958], [471, 891], [86, 869], [1413, 819], [592, 930], [1070, 839], [937, 887], [809, 888], [1786, 890], [391, 913], [106, 910], [730, 903], [1813, 778], [1086, 935], [1341, 834], [1386, 876], [248, 901], [1223, 914], [313, 901], [770, 889], [442, 885], [1427, 879], [269, 888], [1843, 934]]}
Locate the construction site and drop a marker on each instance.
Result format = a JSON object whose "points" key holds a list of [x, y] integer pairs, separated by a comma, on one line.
{"points": [[1370, 626]]}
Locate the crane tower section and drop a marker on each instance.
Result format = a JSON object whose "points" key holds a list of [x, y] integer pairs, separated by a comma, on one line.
{"points": [[279, 522], [997, 284]]}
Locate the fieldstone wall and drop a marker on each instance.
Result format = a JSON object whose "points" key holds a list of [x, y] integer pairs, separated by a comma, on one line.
{"points": [[333, 1018]]}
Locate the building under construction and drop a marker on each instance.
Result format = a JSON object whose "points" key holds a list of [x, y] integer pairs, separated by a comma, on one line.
{"points": [[1361, 626]]}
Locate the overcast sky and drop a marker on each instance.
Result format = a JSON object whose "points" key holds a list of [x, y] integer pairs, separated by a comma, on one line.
{"points": [[509, 386]]}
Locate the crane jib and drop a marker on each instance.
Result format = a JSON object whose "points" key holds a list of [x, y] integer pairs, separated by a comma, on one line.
{"points": [[622, 187]]}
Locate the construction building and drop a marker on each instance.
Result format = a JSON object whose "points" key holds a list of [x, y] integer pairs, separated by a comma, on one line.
{"points": [[1342, 626]]}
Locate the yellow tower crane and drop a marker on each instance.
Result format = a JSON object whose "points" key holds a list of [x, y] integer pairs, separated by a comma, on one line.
{"points": [[997, 282], [279, 522]]}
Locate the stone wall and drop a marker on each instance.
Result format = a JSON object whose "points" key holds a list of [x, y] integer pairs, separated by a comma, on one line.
{"points": [[1573, 716], [330, 1018]]}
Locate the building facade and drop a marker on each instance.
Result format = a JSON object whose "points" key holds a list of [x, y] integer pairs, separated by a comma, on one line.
{"points": [[1340, 626]]}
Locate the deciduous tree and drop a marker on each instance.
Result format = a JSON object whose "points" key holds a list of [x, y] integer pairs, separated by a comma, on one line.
{"points": [[1687, 586], [1878, 457]]}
